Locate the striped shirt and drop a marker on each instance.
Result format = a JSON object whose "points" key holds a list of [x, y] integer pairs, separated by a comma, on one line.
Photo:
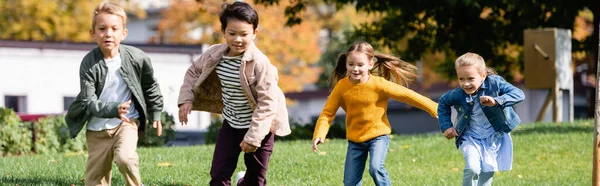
{"points": [[237, 109]]}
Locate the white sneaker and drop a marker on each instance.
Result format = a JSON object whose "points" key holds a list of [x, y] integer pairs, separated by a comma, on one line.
{"points": [[239, 176]]}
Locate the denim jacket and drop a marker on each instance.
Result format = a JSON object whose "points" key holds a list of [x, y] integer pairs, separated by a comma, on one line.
{"points": [[502, 116]]}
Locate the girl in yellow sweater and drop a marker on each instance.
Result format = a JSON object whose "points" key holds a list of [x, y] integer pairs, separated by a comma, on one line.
{"points": [[365, 82]]}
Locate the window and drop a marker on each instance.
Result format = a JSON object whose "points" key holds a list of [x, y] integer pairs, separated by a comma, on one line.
{"points": [[17, 103], [67, 100]]}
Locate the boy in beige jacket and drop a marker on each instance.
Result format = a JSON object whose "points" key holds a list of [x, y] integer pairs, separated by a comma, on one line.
{"points": [[238, 81]]}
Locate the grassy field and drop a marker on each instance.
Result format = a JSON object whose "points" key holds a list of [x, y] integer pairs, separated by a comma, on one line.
{"points": [[544, 154]]}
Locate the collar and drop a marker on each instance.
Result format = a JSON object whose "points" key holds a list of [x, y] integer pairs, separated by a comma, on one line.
{"points": [[223, 49]]}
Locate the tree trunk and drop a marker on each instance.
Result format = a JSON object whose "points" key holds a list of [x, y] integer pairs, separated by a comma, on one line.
{"points": [[596, 159]]}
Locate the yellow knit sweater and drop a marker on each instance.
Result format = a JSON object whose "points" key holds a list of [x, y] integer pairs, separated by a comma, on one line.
{"points": [[366, 105]]}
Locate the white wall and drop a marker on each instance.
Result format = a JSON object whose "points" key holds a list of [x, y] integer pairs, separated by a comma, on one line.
{"points": [[45, 76]]}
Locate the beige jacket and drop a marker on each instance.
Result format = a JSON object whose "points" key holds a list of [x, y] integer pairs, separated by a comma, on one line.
{"points": [[258, 78]]}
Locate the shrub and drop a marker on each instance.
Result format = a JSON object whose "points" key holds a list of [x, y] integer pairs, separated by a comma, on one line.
{"points": [[168, 133], [77, 144], [52, 136], [15, 136], [50, 133], [213, 131]]}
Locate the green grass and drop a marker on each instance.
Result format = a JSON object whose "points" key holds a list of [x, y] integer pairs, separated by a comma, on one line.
{"points": [[544, 154]]}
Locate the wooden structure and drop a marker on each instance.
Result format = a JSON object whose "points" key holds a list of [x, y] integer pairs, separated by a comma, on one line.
{"points": [[548, 66]]}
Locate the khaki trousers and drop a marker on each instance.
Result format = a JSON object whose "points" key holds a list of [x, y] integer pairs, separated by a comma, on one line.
{"points": [[118, 144]]}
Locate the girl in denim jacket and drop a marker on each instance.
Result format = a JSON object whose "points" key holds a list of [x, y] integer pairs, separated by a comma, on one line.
{"points": [[484, 120]]}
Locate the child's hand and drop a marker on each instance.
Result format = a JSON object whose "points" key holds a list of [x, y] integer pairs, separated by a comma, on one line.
{"points": [[123, 110], [450, 133], [247, 148], [487, 101], [316, 142], [158, 126], [184, 110]]}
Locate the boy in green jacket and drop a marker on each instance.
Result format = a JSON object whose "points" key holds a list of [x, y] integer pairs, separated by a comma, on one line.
{"points": [[118, 93]]}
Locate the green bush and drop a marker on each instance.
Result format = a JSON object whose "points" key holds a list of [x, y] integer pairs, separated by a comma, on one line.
{"points": [[168, 133], [15, 136], [213, 131], [52, 136], [49, 133], [77, 144]]}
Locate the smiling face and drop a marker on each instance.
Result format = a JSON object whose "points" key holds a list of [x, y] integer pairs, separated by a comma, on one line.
{"points": [[238, 35], [470, 78], [357, 66], [108, 32]]}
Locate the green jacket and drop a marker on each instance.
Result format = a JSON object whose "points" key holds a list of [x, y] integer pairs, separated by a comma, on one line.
{"points": [[138, 74]]}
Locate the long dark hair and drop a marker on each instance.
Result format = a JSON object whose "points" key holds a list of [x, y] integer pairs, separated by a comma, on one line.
{"points": [[387, 66]]}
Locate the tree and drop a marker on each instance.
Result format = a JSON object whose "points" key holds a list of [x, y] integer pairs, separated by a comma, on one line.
{"points": [[52, 20], [492, 28], [183, 17], [293, 50]]}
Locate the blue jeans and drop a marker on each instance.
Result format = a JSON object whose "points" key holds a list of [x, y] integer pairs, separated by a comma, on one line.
{"points": [[472, 172], [356, 157]]}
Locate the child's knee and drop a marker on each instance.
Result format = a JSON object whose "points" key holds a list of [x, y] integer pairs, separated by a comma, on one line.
{"points": [[126, 160], [376, 169], [472, 171]]}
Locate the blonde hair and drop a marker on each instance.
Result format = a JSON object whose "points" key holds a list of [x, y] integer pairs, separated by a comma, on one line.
{"points": [[475, 60], [387, 66], [108, 8]]}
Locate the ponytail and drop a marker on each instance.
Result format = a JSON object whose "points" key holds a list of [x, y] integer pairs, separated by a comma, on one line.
{"points": [[394, 69], [339, 72]]}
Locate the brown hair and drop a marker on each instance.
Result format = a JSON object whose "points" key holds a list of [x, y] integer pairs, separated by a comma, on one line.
{"points": [[470, 58], [387, 66], [108, 8]]}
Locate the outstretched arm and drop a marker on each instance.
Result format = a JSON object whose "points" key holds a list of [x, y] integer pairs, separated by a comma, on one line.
{"points": [[403, 94]]}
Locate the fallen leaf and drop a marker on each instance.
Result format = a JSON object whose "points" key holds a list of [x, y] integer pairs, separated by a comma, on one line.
{"points": [[322, 153], [405, 146], [455, 169], [164, 164]]}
